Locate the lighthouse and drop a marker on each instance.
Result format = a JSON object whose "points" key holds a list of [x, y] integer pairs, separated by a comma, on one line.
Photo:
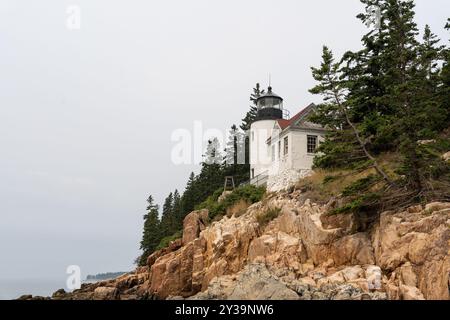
{"points": [[269, 111], [282, 149]]}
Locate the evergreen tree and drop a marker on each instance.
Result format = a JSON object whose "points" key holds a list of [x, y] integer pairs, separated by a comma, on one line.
{"points": [[444, 89], [251, 114], [231, 150], [334, 111], [211, 175], [389, 95], [402, 81], [167, 217], [151, 234], [363, 73], [246, 123], [235, 156], [213, 154], [430, 53], [429, 81], [189, 198], [177, 213]]}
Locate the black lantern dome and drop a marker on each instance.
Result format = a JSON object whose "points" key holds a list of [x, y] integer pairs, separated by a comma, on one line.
{"points": [[270, 106]]}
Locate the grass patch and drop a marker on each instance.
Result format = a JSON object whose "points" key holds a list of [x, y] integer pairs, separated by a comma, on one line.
{"points": [[326, 183], [267, 216], [238, 209], [358, 188]]}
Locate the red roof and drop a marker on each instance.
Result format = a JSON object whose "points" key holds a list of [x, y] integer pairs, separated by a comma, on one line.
{"points": [[283, 123]]}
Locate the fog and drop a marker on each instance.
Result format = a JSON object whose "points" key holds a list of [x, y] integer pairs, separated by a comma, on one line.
{"points": [[86, 115]]}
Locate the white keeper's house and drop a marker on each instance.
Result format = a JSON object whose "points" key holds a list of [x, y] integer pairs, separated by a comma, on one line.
{"points": [[281, 148]]}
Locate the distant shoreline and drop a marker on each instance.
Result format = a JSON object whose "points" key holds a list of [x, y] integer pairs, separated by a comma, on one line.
{"points": [[104, 276]]}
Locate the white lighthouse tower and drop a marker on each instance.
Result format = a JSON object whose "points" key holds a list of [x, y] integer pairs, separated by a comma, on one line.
{"points": [[269, 111]]}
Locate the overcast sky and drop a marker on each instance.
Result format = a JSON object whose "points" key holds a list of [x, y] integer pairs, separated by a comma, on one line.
{"points": [[86, 115]]}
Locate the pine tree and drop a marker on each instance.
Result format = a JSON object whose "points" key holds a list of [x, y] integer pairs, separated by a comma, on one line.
{"points": [[251, 114], [231, 150], [363, 73], [151, 234], [392, 94], [188, 200], [245, 127], [428, 79], [167, 218], [212, 174], [334, 111], [213, 154], [430, 54], [235, 156], [177, 213], [400, 60], [444, 89]]}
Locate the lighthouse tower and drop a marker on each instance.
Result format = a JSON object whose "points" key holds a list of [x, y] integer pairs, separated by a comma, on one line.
{"points": [[270, 110]]}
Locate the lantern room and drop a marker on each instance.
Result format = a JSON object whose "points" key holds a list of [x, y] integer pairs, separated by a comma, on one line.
{"points": [[269, 106]]}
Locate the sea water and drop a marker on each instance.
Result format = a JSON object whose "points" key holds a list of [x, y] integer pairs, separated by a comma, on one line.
{"points": [[14, 288]]}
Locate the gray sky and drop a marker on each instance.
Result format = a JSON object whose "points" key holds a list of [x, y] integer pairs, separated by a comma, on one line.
{"points": [[86, 115]]}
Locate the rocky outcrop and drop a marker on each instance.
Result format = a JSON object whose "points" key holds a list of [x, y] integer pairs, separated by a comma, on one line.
{"points": [[220, 249], [173, 246], [256, 282], [412, 247], [301, 254], [401, 256], [105, 293], [130, 286], [192, 225]]}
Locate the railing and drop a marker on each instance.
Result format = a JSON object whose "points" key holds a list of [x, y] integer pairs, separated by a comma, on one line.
{"points": [[286, 114], [260, 180]]}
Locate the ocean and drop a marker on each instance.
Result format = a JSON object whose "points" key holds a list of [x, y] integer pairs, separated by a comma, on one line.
{"points": [[14, 288]]}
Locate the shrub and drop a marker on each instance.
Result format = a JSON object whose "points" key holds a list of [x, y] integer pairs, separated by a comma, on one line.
{"points": [[167, 240], [361, 204], [248, 193], [360, 185], [267, 216]]}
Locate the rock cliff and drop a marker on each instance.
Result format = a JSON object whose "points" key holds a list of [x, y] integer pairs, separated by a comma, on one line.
{"points": [[302, 253]]}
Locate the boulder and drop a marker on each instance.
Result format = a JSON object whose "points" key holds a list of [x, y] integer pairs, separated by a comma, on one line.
{"points": [[193, 223], [352, 272], [410, 293], [59, 294], [374, 277], [105, 293], [254, 282]]}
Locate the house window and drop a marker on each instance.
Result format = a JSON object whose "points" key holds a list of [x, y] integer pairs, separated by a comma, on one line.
{"points": [[273, 153], [253, 173], [311, 144], [253, 135], [286, 145]]}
